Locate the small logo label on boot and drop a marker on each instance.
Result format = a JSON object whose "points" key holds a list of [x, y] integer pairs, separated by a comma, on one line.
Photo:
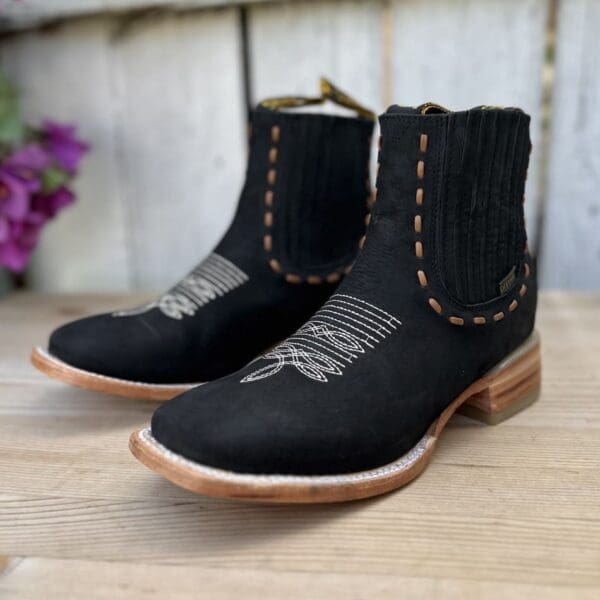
{"points": [[508, 281]]}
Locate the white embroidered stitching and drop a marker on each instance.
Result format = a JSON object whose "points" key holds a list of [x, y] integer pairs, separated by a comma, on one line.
{"points": [[214, 277], [327, 344]]}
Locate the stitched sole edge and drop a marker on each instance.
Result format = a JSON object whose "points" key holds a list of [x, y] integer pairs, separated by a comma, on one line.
{"points": [[211, 481], [57, 369]]}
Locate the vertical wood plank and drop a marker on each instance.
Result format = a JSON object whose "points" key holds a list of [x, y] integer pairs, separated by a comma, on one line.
{"points": [[161, 102], [571, 240], [181, 136], [466, 53], [292, 45], [65, 75]]}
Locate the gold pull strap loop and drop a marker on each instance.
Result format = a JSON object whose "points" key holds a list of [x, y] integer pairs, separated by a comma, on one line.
{"points": [[328, 92]]}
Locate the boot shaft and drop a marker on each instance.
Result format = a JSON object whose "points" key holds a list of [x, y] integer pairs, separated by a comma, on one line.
{"points": [[455, 184], [303, 206]]}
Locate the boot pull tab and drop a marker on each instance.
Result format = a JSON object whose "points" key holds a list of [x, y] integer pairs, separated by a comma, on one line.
{"points": [[431, 107], [328, 92]]}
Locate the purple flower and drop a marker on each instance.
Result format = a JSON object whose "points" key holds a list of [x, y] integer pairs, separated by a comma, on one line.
{"points": [[4, 229], [47, 205], [14, 197], [33, 191], [17, 248], [63, 145], [26, 164]]}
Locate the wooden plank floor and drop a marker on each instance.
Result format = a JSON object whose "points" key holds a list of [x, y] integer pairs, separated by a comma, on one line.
{"points": [[511, 511]]}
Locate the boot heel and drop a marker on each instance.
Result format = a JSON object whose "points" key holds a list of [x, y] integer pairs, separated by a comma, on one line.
{"points": [[509, 388]]}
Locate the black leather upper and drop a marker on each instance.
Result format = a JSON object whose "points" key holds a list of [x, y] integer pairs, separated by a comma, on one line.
{"points": [[234, 304], [360, 383]]}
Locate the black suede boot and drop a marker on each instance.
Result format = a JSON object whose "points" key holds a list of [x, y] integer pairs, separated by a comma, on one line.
{"points": [[300, 217], [437, 315]]}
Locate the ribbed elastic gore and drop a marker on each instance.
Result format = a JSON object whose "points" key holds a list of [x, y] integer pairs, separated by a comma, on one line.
{"points": [[320, 191], [483, 224]]}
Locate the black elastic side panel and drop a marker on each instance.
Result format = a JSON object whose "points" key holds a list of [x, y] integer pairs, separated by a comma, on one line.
{"points": [[321, 191], [481, 229]]}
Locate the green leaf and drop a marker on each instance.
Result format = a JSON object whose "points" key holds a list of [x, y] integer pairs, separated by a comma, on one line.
{"points": [[52, 179], [12, 129]]}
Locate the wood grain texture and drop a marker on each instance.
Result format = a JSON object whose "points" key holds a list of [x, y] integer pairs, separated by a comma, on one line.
{"points": [[467, 53], [181, 138], [66, 75], [33, 13], [293, 44], [56, 579], [505, 511], [571, 249], [160, 101]]}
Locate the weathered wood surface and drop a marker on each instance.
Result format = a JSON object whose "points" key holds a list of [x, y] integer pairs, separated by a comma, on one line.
{"points": [[571, 246], [162, 107], [68, 77], [502, 512], [292, 45], [160, 95], [467, 53], [15, 15]]}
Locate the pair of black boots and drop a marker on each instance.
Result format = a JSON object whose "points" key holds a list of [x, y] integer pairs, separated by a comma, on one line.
{"points": [[435, 312]]}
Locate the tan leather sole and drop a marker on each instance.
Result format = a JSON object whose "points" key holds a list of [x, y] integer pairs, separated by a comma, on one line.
{"points": [[58, 369], [510, 386]]}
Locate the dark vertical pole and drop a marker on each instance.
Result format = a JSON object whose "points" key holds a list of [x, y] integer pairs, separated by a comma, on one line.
{"points": [[245, 47]]}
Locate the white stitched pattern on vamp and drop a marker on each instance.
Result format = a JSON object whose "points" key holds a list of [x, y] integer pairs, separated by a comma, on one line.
{"points": [[214, 277], [339, 332]]}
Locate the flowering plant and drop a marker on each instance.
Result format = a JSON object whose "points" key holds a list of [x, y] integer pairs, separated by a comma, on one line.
{"points": [[36, 167]]}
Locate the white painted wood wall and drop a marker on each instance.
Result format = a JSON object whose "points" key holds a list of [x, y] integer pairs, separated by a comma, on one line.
{"points": [[160, 95]]}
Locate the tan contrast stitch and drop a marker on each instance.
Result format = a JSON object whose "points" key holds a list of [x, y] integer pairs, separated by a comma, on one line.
{"points": [[371, 199], [435, 305], [268, 216], [418, 223], [419, 251], [269, 197], [292, 278], [419, 198]]}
